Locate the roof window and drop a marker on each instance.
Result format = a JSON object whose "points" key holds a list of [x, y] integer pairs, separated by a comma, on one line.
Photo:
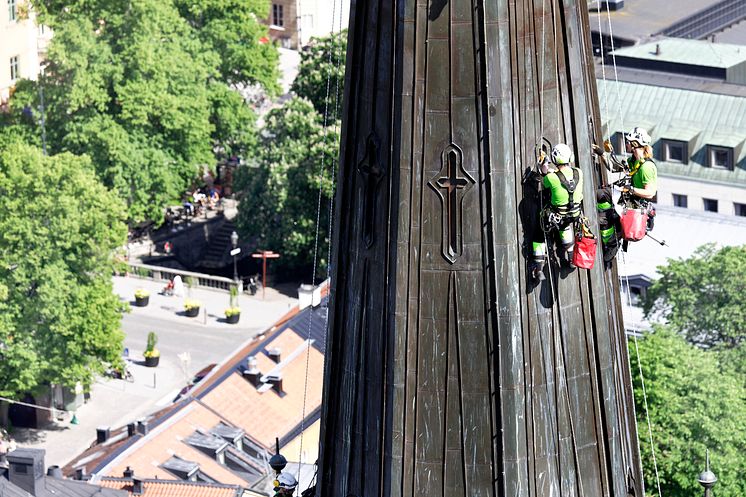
{"points": [[719, 157]]}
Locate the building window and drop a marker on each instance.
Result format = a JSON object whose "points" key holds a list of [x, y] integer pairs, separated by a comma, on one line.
{"points": [[674, 151], [710, 205], [740, 209], [680, 200], [12, 13], [719, 157], [14, 68], [278, 16]]}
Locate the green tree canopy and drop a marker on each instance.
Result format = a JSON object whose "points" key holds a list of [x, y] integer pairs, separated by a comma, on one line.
{"points": [[321, 73], [59, 317], [693, 406], [702, 297], [232, 29], [280, 195], [145, 92]]}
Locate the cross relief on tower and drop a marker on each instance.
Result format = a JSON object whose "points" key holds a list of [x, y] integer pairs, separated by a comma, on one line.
{"points": [[451, 184]]}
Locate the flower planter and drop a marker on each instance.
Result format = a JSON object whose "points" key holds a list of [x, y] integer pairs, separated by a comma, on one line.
{"points": [[142, 301], [233, 318], [152, 362], [192, 312]]}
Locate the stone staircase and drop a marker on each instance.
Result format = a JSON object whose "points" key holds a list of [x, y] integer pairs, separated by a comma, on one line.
{"points": [[217, 252]]}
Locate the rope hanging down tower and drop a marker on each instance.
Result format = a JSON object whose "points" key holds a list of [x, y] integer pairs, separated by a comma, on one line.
{"points": [[449, 373]]}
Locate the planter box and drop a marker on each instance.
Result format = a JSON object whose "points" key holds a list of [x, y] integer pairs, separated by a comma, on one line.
{"points": [[142, 301], [193, 312], [152, 362], [233, 318]]}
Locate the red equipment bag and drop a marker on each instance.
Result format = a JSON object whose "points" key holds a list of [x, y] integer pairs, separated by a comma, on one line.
{"points": [[634, 224], [584, 254]]}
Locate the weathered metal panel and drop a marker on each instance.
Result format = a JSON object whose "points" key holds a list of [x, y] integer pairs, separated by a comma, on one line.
{"points": [[448, 371]]}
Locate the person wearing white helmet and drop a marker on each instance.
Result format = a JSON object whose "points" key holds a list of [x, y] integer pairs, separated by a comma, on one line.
{"points": [[565, 184], [285, 484], [642, 171]]}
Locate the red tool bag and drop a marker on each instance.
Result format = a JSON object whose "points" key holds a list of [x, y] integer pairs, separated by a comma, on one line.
{"points": [[634, 223], [584, 254]]}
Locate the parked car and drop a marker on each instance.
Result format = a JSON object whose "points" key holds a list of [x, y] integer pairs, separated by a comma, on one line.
{"points": [[199, 376]]}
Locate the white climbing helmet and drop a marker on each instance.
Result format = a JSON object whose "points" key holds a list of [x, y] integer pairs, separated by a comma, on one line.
{"points": [[286, 480], [562, 154], [638, 135]]}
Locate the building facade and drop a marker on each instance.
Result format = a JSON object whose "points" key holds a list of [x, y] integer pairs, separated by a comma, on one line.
{"points": [[22, 45], [697, 123], [292, 23]]}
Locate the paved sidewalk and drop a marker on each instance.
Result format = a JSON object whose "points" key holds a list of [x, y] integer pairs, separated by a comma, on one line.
{"points": [[207, 338], [255, 312]]}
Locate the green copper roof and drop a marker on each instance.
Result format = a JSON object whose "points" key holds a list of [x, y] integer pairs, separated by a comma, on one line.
{"points": [[691, 52], [699, 118]]}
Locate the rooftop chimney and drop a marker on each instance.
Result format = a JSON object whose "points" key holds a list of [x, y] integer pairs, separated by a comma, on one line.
{"points": [[252, 375], [137, 488], [657, 49], [54, 472], [309, 295], [102, 434], [27, 469], [276, 382], [274, 354], [131, 429], [142, 427], [128, 473]]}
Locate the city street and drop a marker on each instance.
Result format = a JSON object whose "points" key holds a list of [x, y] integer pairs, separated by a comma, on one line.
{"points": [[207, 339]]}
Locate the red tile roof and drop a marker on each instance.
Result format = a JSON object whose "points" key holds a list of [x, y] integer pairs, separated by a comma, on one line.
{"points": [[225, 396], [161, 488]]}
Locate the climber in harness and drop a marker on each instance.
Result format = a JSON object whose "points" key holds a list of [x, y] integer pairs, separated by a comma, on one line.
{"points": [[642, 170], [609, 225], [638, 188], [564, 213]]}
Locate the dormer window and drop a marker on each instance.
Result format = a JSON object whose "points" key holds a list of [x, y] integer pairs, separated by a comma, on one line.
{"points": [[674, 151], [181, 468], [230, 434], [211, 445], [719, 157]]}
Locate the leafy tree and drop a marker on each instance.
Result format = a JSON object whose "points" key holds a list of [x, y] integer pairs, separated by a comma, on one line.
{"points": [[138, 88], [280, 195], [702, 297], [321, 73], [693, 407], [232, 29], [59, 317]]}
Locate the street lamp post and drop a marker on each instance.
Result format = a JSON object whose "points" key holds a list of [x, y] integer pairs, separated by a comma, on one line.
{"points": [[707, 478], [234, 253]]}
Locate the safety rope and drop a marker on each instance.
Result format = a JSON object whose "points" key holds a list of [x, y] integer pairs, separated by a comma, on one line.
{"points": [[544, 355], [642, 377], [603, 60], [625, 281], [322, 175], [558, 345]]}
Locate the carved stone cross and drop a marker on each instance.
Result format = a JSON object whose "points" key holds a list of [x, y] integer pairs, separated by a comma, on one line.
{"points": [[451, 188], [372, 172]]}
